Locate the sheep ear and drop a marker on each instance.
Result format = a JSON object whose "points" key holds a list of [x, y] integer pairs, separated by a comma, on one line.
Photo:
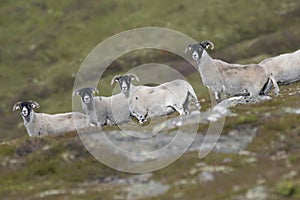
{"points": [[34, 104], [206, 44], [188, 48], [95, 91], [115, 78], [17, 106]]}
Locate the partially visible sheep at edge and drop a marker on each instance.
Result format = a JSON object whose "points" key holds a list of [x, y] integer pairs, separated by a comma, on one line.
{"points": [[102, 110], [146, 102], [285, 68], [40, 124], [230, 79]]}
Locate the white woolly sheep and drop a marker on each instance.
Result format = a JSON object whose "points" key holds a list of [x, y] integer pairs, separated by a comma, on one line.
{"points": [[146, 102], [285, 68], [39, 124], [102, 110], [230, 79]]}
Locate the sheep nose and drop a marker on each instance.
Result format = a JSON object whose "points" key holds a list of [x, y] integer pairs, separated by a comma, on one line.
{"points": [[24, 113], [141, 119], [195, 55], [86, 99]]}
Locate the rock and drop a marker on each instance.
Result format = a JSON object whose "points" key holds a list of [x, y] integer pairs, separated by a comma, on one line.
{"points": [[246, 153], [250, 160], [219, 169], [292, 110], [141, 178], [206, 176], [290, 175], [257, 193], [280, 155], [233, 101], [181, 182], [48, 193], [146, 190], [193, 171]]}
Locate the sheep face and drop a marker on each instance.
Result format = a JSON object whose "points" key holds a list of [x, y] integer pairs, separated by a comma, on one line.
{"points": [[26, 108], [124, 82], [86, 94], [197, 49]]}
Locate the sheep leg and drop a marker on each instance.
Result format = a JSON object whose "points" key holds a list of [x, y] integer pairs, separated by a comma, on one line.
{"points": [[254, 93], [276, 87], [170, 110], [218, 97], [99, 124], [186, 108], [92, 124], [180, 110], [267, 87], [190, 97]]}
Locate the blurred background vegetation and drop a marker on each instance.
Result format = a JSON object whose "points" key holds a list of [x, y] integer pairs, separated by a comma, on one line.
{"points": [[44, 42]]}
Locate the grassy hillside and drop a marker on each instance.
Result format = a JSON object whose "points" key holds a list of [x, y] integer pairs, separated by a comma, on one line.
{"points": [[43, 44]]}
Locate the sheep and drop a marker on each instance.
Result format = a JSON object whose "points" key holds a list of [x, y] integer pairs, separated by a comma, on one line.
{"points": [[230, 79], [40, 124], [127, 88], [102, 110], [285, 67], [146, 102]]}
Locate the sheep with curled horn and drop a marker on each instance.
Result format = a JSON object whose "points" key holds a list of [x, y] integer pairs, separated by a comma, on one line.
{"points": [[101, 110], [285, 68], [146, 102], [230, 79], [40, 124]]}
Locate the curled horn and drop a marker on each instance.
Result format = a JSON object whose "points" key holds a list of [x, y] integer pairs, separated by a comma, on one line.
{"points": [[95, 90], [134, 76], [76, 92], [207, 43], [34, 104], [188, 48], [115, 78], [17, 106]]}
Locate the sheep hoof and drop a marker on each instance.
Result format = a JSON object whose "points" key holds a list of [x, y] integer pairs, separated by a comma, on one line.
{"points": [[186, 112], [92, 124]]}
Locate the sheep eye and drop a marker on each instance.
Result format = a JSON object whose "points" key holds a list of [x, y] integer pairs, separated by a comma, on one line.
{"points": [[136, 98]]}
